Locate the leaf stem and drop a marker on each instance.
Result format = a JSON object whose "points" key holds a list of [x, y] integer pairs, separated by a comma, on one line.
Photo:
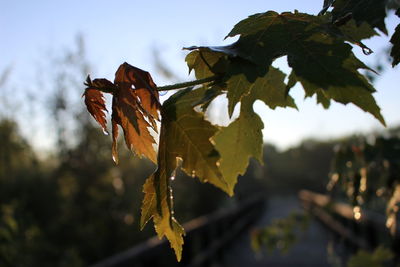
{"points": [[187, 84]]}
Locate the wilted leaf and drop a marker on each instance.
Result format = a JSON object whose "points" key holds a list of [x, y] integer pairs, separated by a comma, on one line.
{"points": [[94, 99], [135, 108], [127, 114], [145, 88]]}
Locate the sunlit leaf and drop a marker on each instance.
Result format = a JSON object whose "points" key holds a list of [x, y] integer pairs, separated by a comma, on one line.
{"points": [[126, 113], [238, 142], [164, 221], [185, 134], [94, 99]]}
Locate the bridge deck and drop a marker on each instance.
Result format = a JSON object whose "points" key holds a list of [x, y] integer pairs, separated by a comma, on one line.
{"points": [[310, 250]]}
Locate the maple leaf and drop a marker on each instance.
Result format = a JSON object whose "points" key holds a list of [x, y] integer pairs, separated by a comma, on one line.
{"points": [[133, 109], [164, 222], [127, 114], [239, 141], [185, 136], [318, 59], [372, 12], [94, 99], [395, 40], [315, 50], [240, 76]]}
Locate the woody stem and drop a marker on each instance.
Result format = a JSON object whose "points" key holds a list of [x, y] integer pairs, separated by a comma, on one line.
{"points": [[186, 84]]}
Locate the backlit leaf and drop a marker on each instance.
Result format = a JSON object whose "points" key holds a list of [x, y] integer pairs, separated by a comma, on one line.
{"points": [[164, 221], [135, 108], [145, 88], [185, 134], [319, 60], [94, 99], [205, 62], [127, 114], [239, 141], [95, 104]]}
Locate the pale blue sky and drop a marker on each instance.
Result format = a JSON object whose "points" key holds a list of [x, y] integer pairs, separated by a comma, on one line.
{"points": [[118, 31]]}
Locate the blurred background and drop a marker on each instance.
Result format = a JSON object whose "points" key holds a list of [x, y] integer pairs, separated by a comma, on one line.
{"points": [[63, 202]]}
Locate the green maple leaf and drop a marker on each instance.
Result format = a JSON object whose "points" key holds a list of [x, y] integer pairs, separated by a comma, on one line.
{"points": [[324, 65], [271, 89], [239, 141], [240, 77], [395, 40], [206, 62], [372, 12], [355, 33], [185, 135], [164, 221]]}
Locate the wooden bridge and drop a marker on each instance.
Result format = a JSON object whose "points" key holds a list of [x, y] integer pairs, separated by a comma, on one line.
{"points": [[222, 239]]}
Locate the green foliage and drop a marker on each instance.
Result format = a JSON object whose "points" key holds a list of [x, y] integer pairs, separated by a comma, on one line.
{"points": [[372, 12], [379, 258], [319, 53], [395, 40], [281, 234], [233, 144], [365, 171]]}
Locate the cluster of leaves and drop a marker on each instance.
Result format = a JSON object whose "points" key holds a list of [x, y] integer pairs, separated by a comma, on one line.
{"points": [[281, 233], [320, 56], [367, 171], [379, 258]]}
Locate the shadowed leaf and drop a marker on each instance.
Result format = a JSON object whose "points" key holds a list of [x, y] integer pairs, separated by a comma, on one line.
{"points": [[372, 12], [395, 40]]}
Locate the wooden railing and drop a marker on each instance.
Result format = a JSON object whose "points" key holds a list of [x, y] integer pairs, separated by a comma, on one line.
{"points": [[206, 239], [356, 229]]}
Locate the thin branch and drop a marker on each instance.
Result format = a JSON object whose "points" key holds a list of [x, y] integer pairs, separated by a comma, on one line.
{"points": [[187, 84], [166, 87]]}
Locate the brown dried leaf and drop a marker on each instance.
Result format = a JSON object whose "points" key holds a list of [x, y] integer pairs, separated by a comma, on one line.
{"points": [[144, 86], [126, 112], [94, 101], [135, 108]]}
